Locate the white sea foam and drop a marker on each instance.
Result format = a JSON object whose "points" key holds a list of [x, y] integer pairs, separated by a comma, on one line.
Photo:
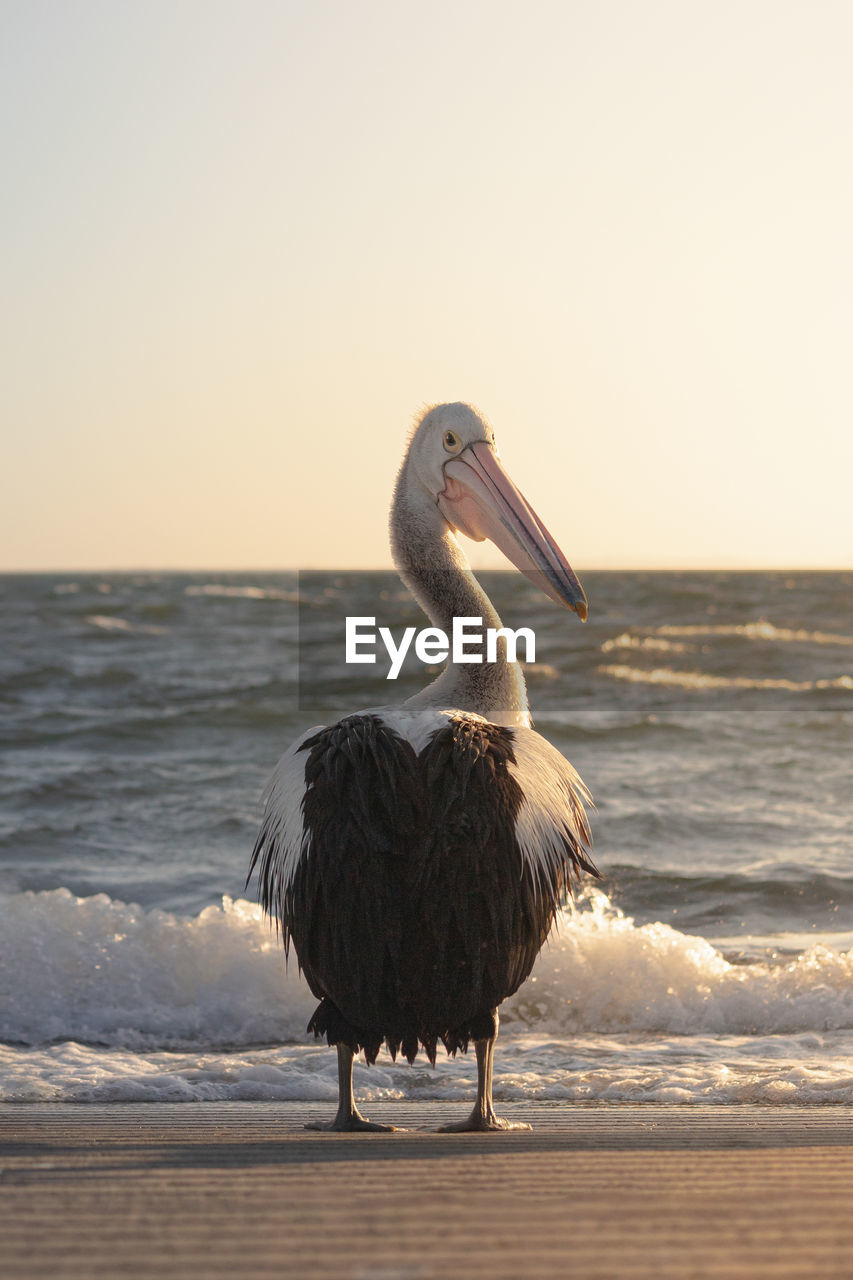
{"points": [[760, 630], [659, 639], [102, 1001], [807, 1068], [102, 971], [228, 592], [108, 623], [97, 970], [655, 643], [602, 972], [121, 626], [703, 680]]}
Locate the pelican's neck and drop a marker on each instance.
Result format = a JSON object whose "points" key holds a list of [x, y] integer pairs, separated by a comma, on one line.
{"points": [[435, 569]]}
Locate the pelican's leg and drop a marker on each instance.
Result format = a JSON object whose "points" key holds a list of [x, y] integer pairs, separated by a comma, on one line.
{"points": [[483, 1119], [348, 1119]]}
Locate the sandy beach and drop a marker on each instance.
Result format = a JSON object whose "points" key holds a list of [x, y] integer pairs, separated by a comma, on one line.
{"points": [[594, 1191]]}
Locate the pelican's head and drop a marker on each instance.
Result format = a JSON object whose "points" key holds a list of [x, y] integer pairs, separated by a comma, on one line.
{"points": [[454, 457]]}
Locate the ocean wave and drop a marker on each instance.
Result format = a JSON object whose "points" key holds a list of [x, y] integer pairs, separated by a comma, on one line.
{"points": [[654, 643], [105, 972], [227, 592], [670, 638], [760, 630], [704, 680], [785, 899], [604, 973], [107, 623], [111, 623]]}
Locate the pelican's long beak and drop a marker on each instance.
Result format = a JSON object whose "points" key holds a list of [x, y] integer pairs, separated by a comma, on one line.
{"points": [[481, 501]]}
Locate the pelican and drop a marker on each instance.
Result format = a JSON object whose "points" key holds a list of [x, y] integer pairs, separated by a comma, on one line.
{"points": [[415, 855]]}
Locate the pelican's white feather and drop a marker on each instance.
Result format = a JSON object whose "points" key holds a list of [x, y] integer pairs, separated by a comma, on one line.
{"points": [[284, 827], [553, 808]]}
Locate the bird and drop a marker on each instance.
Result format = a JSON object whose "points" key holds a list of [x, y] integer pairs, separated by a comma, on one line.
{"points": [[415, 855]]}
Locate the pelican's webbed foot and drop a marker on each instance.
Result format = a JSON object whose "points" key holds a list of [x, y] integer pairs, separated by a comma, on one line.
{"points": [[348, 1118], [483, 1119], [350, 1122], [483, 1122]]}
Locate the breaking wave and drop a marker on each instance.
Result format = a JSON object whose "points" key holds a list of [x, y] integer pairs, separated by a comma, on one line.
{"points": [[105, 1002], [105, 972]]}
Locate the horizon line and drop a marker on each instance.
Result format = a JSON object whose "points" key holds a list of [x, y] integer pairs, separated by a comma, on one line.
{"points": [[591, 568]]}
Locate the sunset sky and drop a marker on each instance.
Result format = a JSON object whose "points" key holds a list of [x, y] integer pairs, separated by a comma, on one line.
{"points": [[242, 244]]}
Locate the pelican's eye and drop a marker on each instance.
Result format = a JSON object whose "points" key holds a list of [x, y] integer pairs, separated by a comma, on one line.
{"points": [[452, 443]]}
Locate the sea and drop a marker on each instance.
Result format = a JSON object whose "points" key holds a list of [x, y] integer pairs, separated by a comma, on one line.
{"points": [[709, 713]]}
